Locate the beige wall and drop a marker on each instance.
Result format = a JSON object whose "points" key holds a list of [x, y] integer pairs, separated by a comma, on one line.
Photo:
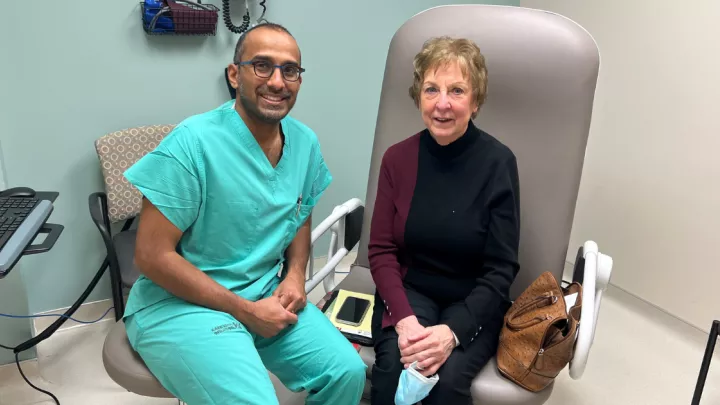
{"points": [[650, 194]]}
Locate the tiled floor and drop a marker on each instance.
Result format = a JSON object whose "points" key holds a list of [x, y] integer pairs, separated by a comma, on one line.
{"points": [[640, 356]]}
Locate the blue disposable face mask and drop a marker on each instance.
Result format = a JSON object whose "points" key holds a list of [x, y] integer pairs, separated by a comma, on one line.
{"points": [[413, 387]]}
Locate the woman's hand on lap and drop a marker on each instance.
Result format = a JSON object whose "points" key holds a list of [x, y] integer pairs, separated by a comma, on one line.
{"points": [[409, 327], [430, 349]]}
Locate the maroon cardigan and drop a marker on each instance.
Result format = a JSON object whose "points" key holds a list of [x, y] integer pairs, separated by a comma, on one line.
{"points": [[388, 226]]}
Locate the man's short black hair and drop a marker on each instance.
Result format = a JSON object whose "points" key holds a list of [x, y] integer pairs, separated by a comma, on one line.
{"points": [[239, 48]]}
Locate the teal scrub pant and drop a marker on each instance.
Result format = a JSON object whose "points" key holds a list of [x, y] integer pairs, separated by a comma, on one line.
{"points": [[206, 357]]}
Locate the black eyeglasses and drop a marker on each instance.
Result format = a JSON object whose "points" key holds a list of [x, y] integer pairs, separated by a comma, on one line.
{"points": [[290, 71]]}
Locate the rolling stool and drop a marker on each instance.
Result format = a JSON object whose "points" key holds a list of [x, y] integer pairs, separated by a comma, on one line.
{"points": [[127, 369]]}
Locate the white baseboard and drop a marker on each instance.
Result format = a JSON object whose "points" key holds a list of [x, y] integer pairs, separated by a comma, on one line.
{"points": [[636, 301], [90, 311], [87, 312]]}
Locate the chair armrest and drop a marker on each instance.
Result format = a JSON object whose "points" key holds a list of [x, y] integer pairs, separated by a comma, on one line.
{"points": [[595, 278], [351, 207], [345, 223], [97, 202]]}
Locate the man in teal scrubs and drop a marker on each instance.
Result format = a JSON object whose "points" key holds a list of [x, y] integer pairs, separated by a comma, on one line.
{"points": [[223, 243]]}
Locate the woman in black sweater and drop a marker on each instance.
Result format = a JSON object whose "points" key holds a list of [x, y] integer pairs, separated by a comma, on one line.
{"points": [[445, 233]]}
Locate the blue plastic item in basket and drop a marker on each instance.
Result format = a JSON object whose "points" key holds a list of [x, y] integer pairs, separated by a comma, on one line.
{"points": [[163, 23]]}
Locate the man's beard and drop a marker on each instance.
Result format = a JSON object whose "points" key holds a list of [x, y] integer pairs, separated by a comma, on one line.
{"points": [[267, 116]]}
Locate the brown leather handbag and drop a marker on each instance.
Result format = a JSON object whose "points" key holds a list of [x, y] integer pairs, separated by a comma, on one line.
{"points": [[538, 336]]}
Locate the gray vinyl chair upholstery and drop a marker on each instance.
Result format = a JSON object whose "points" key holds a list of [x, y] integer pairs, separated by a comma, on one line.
{"points": [[542, 70], [125, 367]]}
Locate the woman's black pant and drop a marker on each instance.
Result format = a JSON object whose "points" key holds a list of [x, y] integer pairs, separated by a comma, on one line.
{"points": [[458, 372]]}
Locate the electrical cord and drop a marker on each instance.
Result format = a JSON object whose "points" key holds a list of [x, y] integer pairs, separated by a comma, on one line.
{"points": [[56, 315], [17, 355], [262, 16], [228, 20], [60, 321], [17, 361], [55, 325]]}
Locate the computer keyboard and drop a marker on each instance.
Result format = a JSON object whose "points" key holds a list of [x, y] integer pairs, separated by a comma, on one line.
{"points": [[12, 212], [20, 220]]}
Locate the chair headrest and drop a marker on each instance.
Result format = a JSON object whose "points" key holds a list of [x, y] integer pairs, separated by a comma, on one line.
{"points": [[542, 73]]}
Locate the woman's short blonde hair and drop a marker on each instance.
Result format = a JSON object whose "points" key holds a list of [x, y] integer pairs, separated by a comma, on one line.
{"points": [[443, 50]]}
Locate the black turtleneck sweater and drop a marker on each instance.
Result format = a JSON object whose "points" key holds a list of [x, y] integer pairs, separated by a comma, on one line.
{"points": [[446, 223]]}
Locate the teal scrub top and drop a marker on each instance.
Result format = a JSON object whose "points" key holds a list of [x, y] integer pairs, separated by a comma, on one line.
{"points": [[237, 212]]}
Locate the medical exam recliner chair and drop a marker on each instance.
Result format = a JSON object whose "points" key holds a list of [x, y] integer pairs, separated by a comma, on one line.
{"points": [[542, 70]]}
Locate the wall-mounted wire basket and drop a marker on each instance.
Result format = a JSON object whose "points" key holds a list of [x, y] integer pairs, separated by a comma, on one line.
{"points": [[178, 17]]}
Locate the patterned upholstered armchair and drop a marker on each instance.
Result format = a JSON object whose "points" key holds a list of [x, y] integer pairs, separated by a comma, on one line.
{"points": [[121, 202]]}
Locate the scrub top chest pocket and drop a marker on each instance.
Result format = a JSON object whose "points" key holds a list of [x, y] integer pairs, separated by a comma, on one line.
{"points": [[299, 214]]}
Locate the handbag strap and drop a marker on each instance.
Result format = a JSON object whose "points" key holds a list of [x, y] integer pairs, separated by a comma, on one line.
{"points": [[547, 299]]}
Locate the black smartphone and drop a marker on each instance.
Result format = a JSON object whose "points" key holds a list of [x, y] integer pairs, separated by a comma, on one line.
{"points": [[353, 311]]}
